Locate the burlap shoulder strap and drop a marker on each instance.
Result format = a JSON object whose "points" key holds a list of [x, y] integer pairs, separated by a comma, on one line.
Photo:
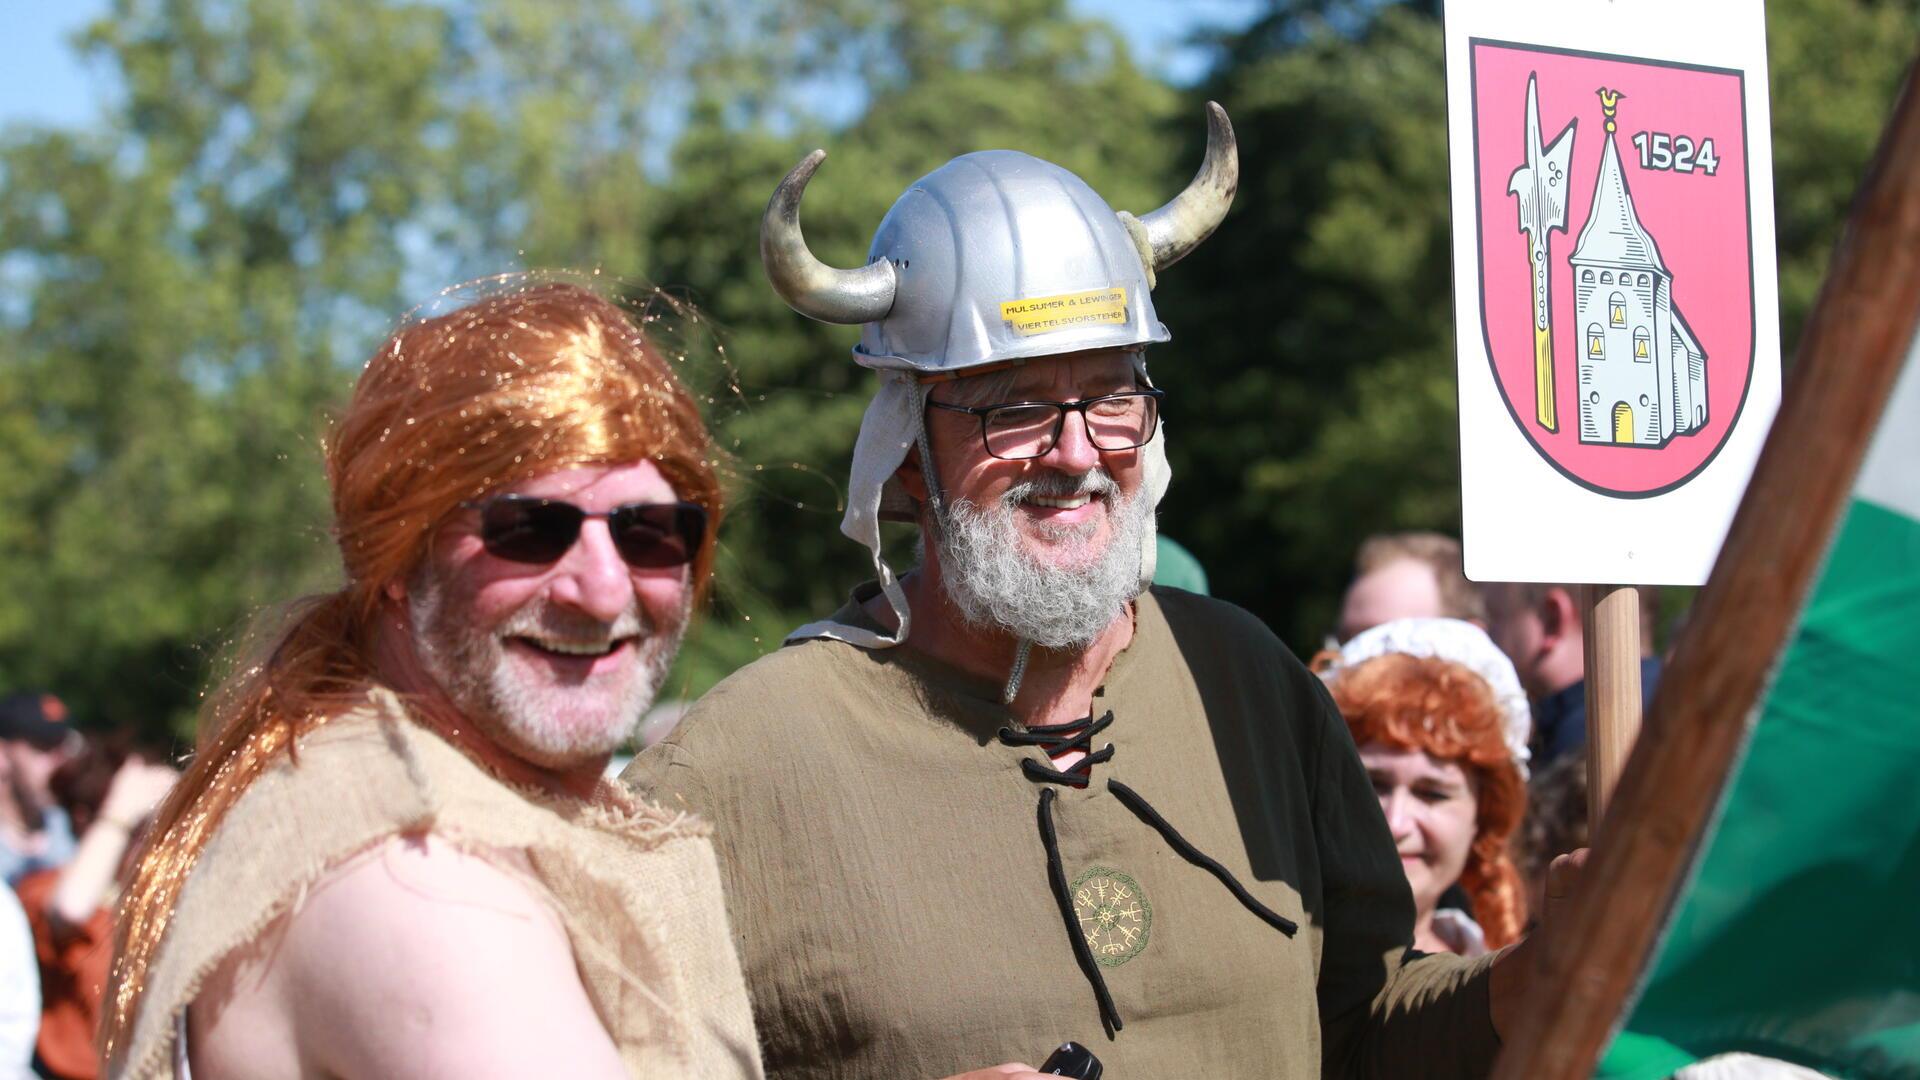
{"points": [[639, 892]]}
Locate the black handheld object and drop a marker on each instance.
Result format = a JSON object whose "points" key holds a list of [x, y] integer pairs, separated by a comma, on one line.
{"points": [[1073, 1060]]}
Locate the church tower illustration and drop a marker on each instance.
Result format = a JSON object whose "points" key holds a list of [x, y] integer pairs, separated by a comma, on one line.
{"points": [[1642, 373]]}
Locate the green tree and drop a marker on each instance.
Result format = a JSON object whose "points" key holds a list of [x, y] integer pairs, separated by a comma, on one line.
{"points": [[193, 283], [1314, 395]]}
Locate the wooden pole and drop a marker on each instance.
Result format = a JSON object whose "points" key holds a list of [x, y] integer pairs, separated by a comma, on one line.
{"points": [[1611, 614], [1590, 957]]}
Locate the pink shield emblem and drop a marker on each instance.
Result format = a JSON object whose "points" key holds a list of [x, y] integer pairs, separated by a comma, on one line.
{"points": [[1616, 258]]}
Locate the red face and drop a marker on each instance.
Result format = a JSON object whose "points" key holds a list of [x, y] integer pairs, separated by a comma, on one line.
{"points": [[1432, 811], [1051, 528], [30, 768], [554, 661]]}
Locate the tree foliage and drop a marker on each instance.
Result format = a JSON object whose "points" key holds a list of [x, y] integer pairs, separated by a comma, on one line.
{"points": [[190, 284]]}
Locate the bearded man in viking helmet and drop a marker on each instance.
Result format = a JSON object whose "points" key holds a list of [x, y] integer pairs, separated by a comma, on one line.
{"points": [[394, 854], [1017, 796]]}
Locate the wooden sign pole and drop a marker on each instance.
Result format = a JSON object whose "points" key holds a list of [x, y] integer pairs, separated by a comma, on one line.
{"points": [[1589, 957], [1612, 625]]}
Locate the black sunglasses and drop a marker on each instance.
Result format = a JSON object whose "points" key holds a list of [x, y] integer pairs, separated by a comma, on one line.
{"points": [[526, 529]]}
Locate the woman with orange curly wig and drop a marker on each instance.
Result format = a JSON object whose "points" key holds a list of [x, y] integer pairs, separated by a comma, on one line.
{"points": [[1441, 723]]}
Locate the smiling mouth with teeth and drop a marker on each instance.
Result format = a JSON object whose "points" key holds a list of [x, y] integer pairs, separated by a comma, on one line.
{"points": [[1070, 502], [574, 648]]}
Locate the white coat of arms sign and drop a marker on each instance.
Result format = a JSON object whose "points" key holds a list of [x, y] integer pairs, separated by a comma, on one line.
{"points": [[1614, 283]]}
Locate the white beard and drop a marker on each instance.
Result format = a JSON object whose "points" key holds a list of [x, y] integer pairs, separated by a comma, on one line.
{"points": [[550, 723], [991, 578]]}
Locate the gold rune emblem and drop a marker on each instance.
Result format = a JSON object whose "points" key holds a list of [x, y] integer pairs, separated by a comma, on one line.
{"points": [[1114, 916]]}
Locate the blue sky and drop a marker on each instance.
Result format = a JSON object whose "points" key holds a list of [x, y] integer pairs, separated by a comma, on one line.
{"points": [[43, 81], [1155, 28]]}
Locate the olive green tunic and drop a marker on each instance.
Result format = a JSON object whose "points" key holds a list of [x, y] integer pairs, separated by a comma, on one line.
{"points": [[890, 889]]}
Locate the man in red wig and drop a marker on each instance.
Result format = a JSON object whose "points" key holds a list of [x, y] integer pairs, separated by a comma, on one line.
{"points": [[394, 854]]}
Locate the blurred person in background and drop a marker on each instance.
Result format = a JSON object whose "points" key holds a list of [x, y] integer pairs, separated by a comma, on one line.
{"points": [[1178, 568], [34, 739], [19, 989], [1556, 822], [1408, 575], [110, 795], [394, 853], [1441, 723], [1540, 628]]}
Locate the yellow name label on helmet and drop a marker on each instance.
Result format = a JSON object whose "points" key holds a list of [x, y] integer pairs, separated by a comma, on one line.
{"points": [[1045, 314]]}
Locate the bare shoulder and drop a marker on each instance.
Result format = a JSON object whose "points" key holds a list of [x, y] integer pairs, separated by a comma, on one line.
{"points": [[414, 958]]}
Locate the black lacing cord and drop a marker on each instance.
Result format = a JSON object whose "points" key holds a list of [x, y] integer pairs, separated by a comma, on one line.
{"points": [[1074, 777], [1058, 739], [1200, 858], [1057, 877]]}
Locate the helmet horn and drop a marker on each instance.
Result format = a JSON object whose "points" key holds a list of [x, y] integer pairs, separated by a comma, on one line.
{"points": [[1178, 227], [808, 285]]}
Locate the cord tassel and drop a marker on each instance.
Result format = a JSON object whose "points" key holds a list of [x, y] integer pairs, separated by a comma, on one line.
{"points": [[1200, 858], [1057, 877], [1021, 653]]}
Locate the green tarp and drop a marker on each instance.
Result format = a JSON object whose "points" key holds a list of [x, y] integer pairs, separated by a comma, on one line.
{"points": [[1799, 936]]}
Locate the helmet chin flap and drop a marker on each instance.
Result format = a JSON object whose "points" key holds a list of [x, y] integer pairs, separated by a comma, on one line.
{"points": [[995, 257], [929, 475]]}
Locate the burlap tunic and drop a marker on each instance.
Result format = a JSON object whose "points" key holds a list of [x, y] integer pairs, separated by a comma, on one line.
{"points": [[638, 894], [888, 878]]}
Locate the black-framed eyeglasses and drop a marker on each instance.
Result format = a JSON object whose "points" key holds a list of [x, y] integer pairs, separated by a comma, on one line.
{"points": [[1019, 430], [529, 529]]}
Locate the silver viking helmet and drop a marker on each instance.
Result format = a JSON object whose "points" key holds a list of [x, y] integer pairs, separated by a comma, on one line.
{"points": [[998, 256]]}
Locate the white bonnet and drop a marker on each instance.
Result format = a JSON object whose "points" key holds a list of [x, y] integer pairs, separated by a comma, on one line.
{"points": [[1462, 643]]}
